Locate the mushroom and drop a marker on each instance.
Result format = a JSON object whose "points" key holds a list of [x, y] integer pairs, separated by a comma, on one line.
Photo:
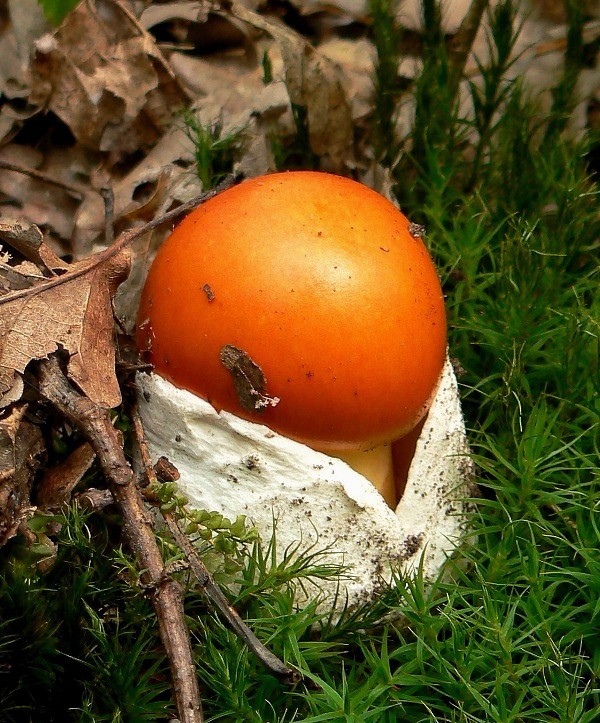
{"points": [[308, 303], [300, 500]]}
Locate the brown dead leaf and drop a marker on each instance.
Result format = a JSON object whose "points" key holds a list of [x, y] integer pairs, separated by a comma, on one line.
{"points": [[22, 22], [58, 482], [127, 298], [39, 260], [230, 90], [163, 180], [72, 312], [157, 183], [28, 240], [248, 379], [21, 447], [313, 82], [104, 76], [231, 94], [34, 200], [357, 59], [21, 276], [191, 11]]}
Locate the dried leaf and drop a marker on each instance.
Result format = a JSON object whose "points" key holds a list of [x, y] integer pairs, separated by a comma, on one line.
{"points": [[113, 89], [28, 240], [158, 182], [47, 203], [127, 298], [313, 82], [58, 483], [161, 181], [357, 60], [232, 94], [21, 276], [248, 379], [192, 11], [26, 23], [72, 312], [355, 9]]}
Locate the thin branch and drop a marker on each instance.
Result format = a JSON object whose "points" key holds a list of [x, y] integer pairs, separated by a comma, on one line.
{"points": [[216, 596], [124, 240], [78, 191], [109, 214], [212, 591], [166, 593], [94, 499]]}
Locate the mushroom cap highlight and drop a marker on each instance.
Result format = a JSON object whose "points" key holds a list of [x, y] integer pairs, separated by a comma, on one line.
{"points": [[302, 301]]}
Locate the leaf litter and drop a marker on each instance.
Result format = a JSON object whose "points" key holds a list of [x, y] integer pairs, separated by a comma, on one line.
{"points": [[71, 312]]}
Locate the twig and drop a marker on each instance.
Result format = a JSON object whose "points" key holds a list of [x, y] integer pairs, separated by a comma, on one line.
{"points": [[212, 591], [166, 593], [124, 239], [216, 596], [94, 499], [109, 214], [79, 191]]}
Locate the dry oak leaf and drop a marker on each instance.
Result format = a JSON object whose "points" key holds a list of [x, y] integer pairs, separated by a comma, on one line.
{"points": [[313, 82], [105, 77], [45, 201], [73, 312]]}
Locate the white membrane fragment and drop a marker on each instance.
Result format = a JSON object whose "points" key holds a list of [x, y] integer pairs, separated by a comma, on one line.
{"points": [[236, 467]]}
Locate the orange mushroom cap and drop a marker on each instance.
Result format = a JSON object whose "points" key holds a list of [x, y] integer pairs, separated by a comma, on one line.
{"points": [[309, 290]]}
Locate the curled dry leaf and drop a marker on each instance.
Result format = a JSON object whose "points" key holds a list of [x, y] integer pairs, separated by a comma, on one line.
{"points": [[192, 11], [357, 59], [28, 240], [22, 22], [114, 90], [58, 482], [38, 192], [353, 9], [313, 82], [73, 312], [231, 93], [161, 180], [166, 180], [21, 276]]}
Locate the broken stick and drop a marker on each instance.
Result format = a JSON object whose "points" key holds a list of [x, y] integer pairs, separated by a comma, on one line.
{"points": [[212, 591], [166, 593]]}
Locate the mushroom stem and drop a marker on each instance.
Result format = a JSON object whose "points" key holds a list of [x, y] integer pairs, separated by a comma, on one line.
{"points": [[377, 466]]}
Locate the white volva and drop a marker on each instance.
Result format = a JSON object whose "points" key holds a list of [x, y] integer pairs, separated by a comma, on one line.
{"points": [[236, 467]]}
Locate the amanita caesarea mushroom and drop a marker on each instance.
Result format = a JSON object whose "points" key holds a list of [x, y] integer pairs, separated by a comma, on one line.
{"points": [[296, 327], [305, 302]]}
